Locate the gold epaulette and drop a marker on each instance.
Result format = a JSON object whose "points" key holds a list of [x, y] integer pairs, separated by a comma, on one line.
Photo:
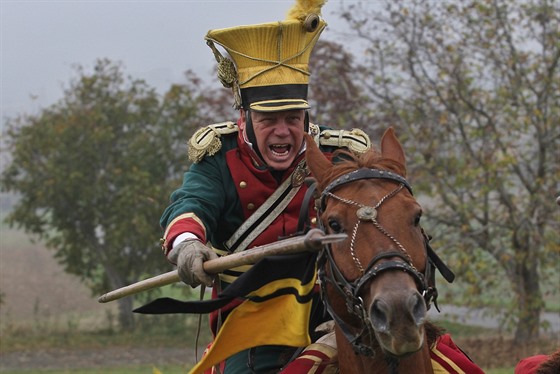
{"points": [[355, 140], [206, 141]]}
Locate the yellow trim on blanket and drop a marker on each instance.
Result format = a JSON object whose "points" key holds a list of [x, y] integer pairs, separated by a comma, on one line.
{"points": [[438, 369]]}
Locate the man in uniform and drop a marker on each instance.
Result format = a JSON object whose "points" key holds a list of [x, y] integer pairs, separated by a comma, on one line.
{"points": [[245, 188]]}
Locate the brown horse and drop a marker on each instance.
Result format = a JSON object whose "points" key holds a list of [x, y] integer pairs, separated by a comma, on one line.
{"points": [[377, 284]]}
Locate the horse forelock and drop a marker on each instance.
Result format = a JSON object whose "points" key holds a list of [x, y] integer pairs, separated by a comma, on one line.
{"points": [[349, 161]]}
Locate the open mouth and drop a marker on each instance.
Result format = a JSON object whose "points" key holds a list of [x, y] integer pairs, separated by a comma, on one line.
{"points": [[280, 149]]}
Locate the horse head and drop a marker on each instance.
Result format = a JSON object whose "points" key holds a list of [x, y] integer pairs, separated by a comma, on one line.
{"points": [[374, 282]]}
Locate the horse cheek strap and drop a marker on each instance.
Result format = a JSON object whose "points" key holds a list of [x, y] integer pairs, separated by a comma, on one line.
{"points": [[433, 262]]}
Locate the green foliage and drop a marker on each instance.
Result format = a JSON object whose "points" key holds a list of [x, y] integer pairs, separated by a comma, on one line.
{"points": [[94, 172], [332, 87], [472, 88]]}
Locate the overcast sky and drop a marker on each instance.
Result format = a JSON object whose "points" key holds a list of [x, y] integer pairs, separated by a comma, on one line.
{"points": [[41, 41]]}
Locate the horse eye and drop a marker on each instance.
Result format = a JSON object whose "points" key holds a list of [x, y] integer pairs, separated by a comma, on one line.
{"points": [[417, 219], [335, 225]]}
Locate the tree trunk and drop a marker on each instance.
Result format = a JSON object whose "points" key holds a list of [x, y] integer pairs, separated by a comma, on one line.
{"points": [[126, 318], [530, 301]]}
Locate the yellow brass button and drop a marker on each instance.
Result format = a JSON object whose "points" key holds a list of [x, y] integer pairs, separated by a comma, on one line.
{"points": [[242, 184], [250, 206], [313, 221]]}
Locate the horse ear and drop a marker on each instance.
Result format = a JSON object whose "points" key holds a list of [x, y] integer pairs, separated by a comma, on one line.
{"points": [[391, 147], [316, 161]]}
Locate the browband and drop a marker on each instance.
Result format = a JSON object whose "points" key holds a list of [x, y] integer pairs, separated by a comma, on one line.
{"points": [[363, 174]]}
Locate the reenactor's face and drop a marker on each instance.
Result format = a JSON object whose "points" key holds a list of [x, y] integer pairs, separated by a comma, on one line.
{"points": [[279, 136]]}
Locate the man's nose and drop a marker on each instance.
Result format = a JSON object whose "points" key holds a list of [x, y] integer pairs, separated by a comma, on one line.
{"points": [[281, 128]]}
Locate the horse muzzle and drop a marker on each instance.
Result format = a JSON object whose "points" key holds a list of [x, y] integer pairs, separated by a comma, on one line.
{"points": [[397, 319]]}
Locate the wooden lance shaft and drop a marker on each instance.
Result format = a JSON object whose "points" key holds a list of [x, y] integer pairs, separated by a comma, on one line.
{"points": [[312, 241]]}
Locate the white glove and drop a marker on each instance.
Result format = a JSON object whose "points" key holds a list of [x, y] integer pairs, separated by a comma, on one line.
{"points": [[189, 256]]}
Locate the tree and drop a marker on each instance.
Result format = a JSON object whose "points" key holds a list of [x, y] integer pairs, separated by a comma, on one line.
{"points": [[94, 172], [336, 100], [472, 87]]}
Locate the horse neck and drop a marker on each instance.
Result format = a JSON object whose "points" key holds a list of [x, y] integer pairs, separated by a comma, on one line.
{"points": [[351, 363]]}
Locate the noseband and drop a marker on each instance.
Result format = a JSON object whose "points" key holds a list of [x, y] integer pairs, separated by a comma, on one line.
{"points": [[350, 290]]}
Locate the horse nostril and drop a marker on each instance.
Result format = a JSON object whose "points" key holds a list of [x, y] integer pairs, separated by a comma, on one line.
{"points": [[380, 315], [417, 306]]}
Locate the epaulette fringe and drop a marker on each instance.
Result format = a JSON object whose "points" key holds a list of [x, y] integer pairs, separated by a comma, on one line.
{"points": [[206, 141]]}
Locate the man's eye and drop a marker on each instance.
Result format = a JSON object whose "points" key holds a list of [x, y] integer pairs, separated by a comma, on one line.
{"points": [[294, 120], [267, 121]]}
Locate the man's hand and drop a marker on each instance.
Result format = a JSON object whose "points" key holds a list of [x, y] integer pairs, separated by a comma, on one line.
{"points": [[189, 256]]}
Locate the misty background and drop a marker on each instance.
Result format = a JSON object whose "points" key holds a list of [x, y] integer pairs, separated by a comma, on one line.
{"points": [[43, 41]]}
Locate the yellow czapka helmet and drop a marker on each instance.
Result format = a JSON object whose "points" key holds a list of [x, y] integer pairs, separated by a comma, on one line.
{"points": [[267, 64]]}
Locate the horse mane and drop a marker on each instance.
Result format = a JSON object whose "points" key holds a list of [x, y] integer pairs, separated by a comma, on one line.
{"points": [[347, 161], [551, 365], [433, 332]]}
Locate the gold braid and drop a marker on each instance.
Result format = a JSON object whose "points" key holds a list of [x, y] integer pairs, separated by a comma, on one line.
{"points": [[227, 74]]}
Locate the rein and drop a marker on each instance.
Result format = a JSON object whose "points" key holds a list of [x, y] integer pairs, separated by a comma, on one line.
{"points": [[350, 290]]}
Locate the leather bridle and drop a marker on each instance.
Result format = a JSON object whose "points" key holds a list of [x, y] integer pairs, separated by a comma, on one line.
{"points": [[329, 273]]}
